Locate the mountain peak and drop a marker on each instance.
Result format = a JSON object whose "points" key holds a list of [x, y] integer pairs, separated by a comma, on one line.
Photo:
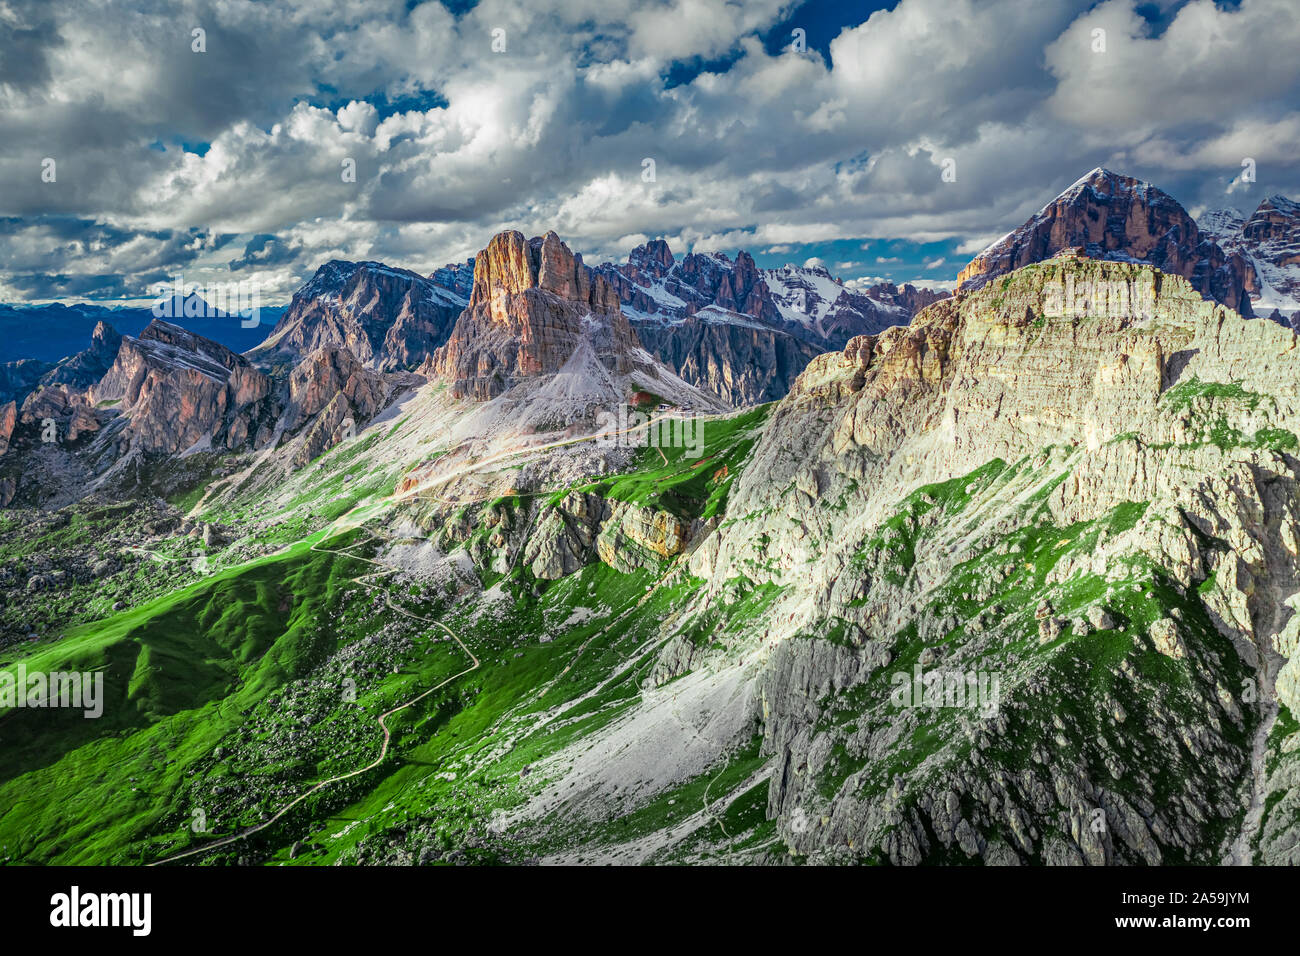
{"points": [[329, 279], [1282, 204], [1100, 176], [1221, 223], [104, 333], [655, 251], [511, 264], [533, 306], [1107, 215], [390, 317]]}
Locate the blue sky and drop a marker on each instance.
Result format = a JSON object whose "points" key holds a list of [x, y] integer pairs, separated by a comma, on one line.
{"points": [[459, 120]]}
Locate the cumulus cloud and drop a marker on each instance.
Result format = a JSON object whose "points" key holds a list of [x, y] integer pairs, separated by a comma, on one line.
{"points": [[241, 157]]}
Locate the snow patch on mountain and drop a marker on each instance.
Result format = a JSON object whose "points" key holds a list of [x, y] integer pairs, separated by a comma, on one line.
{"points": [[804, 295], [1269, 239]]}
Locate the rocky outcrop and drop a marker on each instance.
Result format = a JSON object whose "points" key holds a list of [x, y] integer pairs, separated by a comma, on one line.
{"points": [[179, 391], [741, 362], [337, 394], [635, 536], [565, 537], [584, 527], [907, 297], [325, 374], [533, 302], [8, 419], [87, 367], [1109, 216], [169, 394], [61, 408], [388, 318], [76, 372]]}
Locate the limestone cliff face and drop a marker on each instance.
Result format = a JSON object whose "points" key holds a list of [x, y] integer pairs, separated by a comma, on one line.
{"points": [[178, 389], [742, 363], [66, 407], [1077, 456], [533, 301], [1069, 352], [388, 318], [330, 388], [586, 527], [1110, 216], [8, 420], [636, 536]]}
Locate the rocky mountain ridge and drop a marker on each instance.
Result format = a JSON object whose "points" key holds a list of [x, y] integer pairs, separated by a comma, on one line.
{"points": [[389, 318], [741, 332], [1269, 238]]}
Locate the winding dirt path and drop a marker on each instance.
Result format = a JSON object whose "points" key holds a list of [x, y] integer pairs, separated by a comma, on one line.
{"points": [[383, 718]]}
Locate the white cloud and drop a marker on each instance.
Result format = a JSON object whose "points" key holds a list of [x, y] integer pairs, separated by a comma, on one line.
{"points": [[771, 152], [1210, 63], [862, 283], [938, 285], [971, 247]]}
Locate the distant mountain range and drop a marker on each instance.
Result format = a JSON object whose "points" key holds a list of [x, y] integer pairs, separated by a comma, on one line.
{"points": [[51, 332], [741, 332], [736, 331], [1269, 239]]}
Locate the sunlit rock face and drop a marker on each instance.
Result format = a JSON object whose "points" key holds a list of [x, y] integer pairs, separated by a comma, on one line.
{"points": [[533, 300]]}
